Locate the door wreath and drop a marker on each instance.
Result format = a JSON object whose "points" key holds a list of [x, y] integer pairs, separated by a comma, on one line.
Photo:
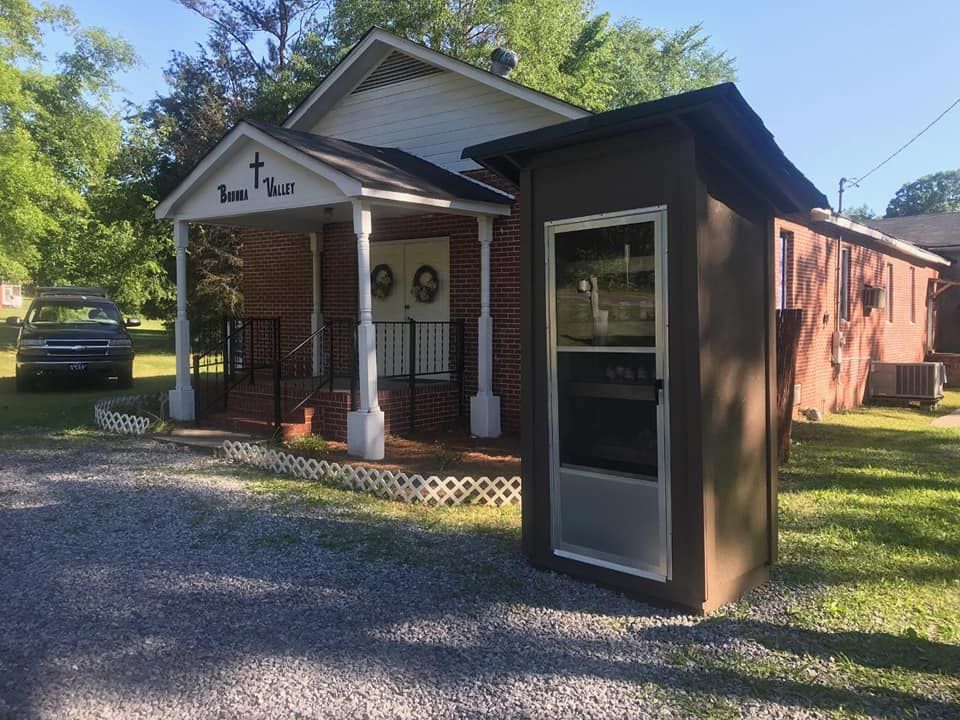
{"points": [[381, 281], [426, 282]]}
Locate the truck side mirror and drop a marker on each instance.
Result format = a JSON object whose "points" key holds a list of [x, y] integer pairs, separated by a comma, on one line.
{"points": [[132, 322], [14, 321]]}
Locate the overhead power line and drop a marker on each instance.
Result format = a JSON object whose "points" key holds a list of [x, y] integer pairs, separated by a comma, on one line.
{"points": [[855, 182], [908, 143]]}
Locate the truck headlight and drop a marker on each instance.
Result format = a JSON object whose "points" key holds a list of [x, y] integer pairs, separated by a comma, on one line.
{"points": [[31, 342], [120, 342]]}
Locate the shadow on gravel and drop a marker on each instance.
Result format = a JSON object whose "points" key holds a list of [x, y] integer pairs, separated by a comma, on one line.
{"points": [[150, 588]]}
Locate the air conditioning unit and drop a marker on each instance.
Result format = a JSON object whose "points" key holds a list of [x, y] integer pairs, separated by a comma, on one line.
{"points": [[922, 381], [874, 298]]}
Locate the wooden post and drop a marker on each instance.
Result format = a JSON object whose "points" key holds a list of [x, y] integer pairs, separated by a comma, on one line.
{"points": [[789, 324]]}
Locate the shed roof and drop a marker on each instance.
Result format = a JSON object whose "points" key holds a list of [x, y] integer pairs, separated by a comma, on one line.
{"points": [[935, 230], [718, 115]]}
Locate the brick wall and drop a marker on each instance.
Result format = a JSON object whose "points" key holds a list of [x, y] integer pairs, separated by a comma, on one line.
{"points": [[277, 282], [811, 284]]}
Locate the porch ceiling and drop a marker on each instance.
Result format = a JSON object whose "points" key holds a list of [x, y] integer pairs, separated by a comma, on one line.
{"points": [[271, 177]]}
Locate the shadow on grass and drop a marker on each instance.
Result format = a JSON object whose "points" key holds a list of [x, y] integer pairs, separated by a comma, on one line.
{"points": [[62, 406], [214, 583]]}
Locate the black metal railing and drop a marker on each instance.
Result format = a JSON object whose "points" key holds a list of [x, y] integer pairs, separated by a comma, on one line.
{"points": [[431, 350], [232, 351], [319, 361], [248, 350]]}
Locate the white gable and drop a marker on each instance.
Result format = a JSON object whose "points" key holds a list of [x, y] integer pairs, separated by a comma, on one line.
{"points": [[433, 116], [230, 187], [391, 92]]}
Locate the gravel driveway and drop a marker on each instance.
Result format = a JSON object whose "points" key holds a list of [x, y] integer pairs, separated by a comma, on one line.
{"points": [[145, 581]]}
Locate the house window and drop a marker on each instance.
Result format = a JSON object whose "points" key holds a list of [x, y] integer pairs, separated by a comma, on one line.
{"points": [[889, 292], [913, 294], [845, 284], [783, 270]]}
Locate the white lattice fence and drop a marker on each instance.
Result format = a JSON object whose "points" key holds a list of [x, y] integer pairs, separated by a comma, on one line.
{"points": [[128, 423], [432, 490]]}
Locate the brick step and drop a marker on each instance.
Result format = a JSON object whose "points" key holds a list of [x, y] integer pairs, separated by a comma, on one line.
{"points": [[259, 427]]}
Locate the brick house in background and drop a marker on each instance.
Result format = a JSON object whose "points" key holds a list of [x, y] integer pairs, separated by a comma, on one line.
{"points": [[939, 233], [824, 267], [361, 215]]}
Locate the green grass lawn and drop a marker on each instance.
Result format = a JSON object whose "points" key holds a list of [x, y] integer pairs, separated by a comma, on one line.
{"points": [[868, 582], [153, 371]]}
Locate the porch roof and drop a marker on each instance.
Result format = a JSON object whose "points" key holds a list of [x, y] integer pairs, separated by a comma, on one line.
{"points": [[258, 170], [385, 168]]}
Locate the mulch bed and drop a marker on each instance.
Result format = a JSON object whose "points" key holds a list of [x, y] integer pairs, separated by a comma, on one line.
{"points": [[425, 452]]}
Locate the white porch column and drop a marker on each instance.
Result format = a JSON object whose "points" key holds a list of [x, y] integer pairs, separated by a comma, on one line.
{"points": [[485, 406], [181, 397], [365, 426], [316, 317]]}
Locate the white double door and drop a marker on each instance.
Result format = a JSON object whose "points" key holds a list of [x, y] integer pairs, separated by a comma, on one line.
{"points": [[405, 259]]}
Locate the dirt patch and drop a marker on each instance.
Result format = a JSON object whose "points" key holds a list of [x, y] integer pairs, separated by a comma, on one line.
{"points": [[442, 452]]}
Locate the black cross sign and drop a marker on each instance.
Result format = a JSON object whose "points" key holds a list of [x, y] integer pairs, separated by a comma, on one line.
{"points": [[256, 165]]}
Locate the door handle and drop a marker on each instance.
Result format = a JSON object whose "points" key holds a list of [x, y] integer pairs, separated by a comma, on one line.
{"points": [[658, 388]]}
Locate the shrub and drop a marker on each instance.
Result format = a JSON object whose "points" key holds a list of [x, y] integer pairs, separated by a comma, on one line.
{"points": [[309, 445], [446, 456]]}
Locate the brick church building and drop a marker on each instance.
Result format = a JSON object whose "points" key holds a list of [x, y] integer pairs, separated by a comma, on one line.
{"points": [[381, 266]]}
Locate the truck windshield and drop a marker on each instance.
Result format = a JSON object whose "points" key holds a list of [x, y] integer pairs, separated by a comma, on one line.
{"points": [[73, 312]]}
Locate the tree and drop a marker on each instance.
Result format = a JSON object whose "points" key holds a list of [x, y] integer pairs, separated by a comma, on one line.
{"points": [[860, 213], [564, 49], [59, 139], [262, 57], [936, 193]]}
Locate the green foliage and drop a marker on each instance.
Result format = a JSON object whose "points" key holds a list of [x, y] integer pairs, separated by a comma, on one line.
{"points": [[860, 213], [935, 193], [446, 456], [59, 153], [564, 49], [309, 445]]}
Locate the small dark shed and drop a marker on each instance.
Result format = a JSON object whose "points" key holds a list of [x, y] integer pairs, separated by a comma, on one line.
{"points": [[649, 445]]}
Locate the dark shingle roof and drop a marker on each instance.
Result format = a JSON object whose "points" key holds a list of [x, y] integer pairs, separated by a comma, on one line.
{"points": [[718, 115], [930, 231], [385, 168]]}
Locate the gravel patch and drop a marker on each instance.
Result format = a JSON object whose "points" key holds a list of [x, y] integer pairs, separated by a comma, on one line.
{"points": [[141, 580]]}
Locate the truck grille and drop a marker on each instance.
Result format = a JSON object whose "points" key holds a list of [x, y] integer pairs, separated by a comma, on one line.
{"points": [[71, 348]]}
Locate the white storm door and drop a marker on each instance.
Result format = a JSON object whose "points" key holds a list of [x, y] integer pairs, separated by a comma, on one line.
{"points": [[389, 310], [430, 259], [606, 324]]}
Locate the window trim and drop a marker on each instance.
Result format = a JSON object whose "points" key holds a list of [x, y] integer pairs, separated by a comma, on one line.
{"points": [[890, 313], [783, 271], [913, 295], [846, 259]]}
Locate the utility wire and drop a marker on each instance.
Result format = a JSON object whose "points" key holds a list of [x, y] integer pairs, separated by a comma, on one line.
{"points": [[857, 181]]}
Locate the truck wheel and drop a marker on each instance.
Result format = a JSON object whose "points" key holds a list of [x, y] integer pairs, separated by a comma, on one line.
{"points": [[23, 383], [125, 377]]}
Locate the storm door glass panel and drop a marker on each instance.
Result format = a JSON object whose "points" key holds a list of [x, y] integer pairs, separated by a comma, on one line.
{"points": [[605, 286], [607, 412]]}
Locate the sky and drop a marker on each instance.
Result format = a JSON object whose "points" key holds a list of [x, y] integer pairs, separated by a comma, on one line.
{"points": [[841, 83]]}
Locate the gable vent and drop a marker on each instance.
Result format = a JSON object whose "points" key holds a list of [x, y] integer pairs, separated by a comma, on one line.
{"points": [[396, 67]]}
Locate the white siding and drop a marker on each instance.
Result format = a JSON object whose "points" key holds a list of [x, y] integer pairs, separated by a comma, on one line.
{"points": [[433, 117]]}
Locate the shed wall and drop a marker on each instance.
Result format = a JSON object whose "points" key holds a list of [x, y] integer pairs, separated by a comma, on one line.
{"points": [[638, 171], [736, 367]]}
